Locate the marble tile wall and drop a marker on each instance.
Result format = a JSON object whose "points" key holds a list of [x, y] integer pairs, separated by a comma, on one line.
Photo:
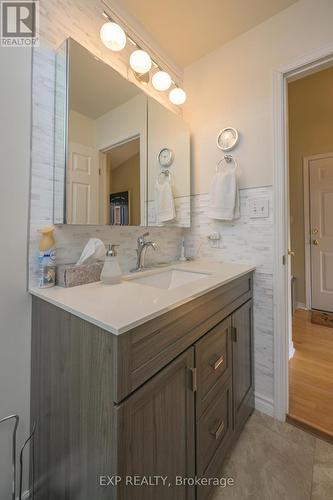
{"points": [[183, 213], [247, 241]]}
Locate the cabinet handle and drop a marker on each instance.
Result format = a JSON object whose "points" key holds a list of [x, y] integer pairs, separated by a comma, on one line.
{"points": [[234, 333], [218, 431], [194, 379], [218, 362]]}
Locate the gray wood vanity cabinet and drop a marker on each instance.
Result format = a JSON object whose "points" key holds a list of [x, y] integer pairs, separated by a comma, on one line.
{"points": [[167, 398]]}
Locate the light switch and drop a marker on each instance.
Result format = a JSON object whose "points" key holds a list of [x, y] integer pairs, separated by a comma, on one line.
{"points": [[258, 207]]}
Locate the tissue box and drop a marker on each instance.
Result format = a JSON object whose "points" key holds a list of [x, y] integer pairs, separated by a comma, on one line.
{"points": [[69, 275]]}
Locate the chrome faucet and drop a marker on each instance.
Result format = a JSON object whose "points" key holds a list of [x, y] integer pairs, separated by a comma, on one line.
{"points": [[143, 245]]}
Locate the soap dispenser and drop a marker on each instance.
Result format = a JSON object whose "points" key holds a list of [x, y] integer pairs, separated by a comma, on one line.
{"points": [[111, 272]]}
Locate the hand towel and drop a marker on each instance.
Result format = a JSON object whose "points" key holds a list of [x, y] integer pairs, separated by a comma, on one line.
{"points": [[164, 202], [224, 195]]}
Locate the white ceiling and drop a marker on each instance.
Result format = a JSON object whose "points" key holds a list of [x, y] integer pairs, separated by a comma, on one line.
{"points": [[95, 88], [188, 29]]}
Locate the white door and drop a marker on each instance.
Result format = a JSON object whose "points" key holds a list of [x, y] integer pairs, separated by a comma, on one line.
{"points": [[83, 185], [321, 231]]}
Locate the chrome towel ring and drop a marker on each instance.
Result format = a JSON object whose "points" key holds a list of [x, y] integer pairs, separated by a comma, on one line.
{"points": [[226, 160]]}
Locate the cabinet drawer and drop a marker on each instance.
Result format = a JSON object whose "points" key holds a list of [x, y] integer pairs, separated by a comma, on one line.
{"points": [[213, 361], [214, 427], [141, 352]]}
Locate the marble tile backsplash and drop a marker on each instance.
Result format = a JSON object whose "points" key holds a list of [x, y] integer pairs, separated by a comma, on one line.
{"points": [[249, 241]]}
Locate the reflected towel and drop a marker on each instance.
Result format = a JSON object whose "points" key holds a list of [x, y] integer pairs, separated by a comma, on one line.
{"points": [[164, 202], [224, 195]]}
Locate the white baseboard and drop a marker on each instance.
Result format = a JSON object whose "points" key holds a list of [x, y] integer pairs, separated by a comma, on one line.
{"points": [[300, 305], [263, 404], [291, 350]]}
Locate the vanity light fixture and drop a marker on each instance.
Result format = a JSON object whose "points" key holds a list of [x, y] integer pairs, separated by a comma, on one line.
{"points": [[140, 62], [113, 36], [161, 81], [177, 96]]}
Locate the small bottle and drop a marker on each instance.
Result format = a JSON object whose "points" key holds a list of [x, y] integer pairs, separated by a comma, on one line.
{"points": [[46, 258], [111, 272]]}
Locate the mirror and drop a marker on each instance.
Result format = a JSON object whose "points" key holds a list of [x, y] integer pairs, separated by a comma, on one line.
{"points": [[109, 169], [168, 162]]}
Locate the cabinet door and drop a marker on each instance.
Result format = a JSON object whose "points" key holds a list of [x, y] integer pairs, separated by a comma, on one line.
{"points": [[243, 376], [156, 435]]}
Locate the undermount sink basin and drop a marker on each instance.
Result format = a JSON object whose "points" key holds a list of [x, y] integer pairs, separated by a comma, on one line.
{"points": [[170, 279]]}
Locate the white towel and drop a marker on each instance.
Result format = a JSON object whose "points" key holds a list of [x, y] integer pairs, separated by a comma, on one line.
{"points": [[164, 202], [224, 195]]}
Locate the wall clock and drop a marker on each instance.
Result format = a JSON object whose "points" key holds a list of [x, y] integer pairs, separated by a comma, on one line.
{"points": [[166, 157], [227, 138]]}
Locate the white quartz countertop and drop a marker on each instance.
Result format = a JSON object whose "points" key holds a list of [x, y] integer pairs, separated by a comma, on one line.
{"points": [[119, 308]]}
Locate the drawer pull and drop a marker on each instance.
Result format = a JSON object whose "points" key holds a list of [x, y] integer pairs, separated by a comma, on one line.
{"points": [[218, 362], [194, 379], [218, 431]]}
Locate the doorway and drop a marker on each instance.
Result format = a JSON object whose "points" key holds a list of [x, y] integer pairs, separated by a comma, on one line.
{"points": [[310, 141], [120, 184]]}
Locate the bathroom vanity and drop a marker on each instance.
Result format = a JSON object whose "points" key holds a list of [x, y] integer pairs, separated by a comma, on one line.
{"points": [[142, 382]]}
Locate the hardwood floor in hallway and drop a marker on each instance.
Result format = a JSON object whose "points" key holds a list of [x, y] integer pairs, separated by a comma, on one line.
{"points": [[311, 374]]}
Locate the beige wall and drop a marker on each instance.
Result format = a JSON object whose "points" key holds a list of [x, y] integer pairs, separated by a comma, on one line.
{"points": [[310, 132], [126, 177], [167, 130], [81, 129], [232, 86]]}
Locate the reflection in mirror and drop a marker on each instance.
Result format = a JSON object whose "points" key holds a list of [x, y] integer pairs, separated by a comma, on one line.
{"points": [[106, 150], [168, 167], [121, 158], [123, 179]]}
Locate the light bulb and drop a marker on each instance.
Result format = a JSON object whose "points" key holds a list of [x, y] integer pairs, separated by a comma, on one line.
{"points": [[177, 96], [161, 80], [113, 36], [140, 62]]}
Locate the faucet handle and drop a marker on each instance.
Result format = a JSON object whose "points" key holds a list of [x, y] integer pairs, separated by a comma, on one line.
{"points": [[141, 239]]}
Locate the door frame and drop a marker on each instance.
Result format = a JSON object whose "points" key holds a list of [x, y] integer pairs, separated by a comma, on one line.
{"points": [[143, 171], [303, 66]]}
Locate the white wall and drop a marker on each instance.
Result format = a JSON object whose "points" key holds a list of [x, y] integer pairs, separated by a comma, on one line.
{"points": [[81, 129], [122, 123], [232, 86], [168, 130], [15, 302]]}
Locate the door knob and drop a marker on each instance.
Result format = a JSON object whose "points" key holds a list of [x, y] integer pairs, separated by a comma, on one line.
{"points": [[315, 242], [291, 253]]}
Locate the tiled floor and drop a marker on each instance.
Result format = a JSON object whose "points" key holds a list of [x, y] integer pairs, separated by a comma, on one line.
{"points": [[277, 461]]}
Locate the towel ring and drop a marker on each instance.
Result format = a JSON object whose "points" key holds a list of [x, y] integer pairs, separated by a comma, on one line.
{"points": [[166, 173], [227, 159]]}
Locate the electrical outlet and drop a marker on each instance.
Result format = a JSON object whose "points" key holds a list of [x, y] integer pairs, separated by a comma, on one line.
{"points": [[214, 239], [258, 208], [214, 235]]}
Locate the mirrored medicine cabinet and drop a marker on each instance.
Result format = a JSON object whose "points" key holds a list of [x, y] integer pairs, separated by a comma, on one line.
{"points": [[113, 144]]}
